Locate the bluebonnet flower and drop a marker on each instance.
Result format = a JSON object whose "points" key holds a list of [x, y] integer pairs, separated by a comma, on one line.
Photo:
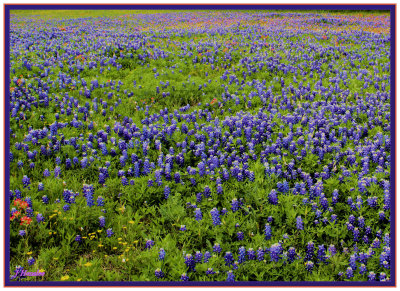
{"points": [[199, 197], [31, 261], [363, 269], [167, 191], [384, 260], [68, 163], [149, 244], [349, 273], [84, 162], [228, 259], [158, 273], [332, 250], [210, 271], [291, 254], [240, 235], [368, 230], [182, 228], [177, 177], [251, 175], [29, 212], [215, 217], [207, 256], [57, 171], [333, 218], [352, 262], [361, 222], [18, 194], [198, 257], [184, 277], [22, 232], [161, 254], [309, 266], [190, 263], [202, 169], [198, 215], [386, 239], [273, 198], [124, 181], [376, 243], [267, 231], [75, 160], [309, 251], [217, 248], [100, 201], [39, 218], [299, 223], [26, 181], [283, 187], [371, 276], [242, 255], [230, 277], [372, 201], [102, 221], [78, 238], [275, 252], [251, 254], [260, 254], [321, 254], [45, 199], [88, 192], [102, 178], [207, 192], [109, 232], [19, 272], [235, 205], [378, 233], [356, 233]]}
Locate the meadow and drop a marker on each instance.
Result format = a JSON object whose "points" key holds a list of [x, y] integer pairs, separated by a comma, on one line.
{"points": [[200, 145]]}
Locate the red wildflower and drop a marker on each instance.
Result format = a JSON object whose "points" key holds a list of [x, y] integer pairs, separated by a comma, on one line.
{"points": [[20, 204], [15, 215], [26, 220]]}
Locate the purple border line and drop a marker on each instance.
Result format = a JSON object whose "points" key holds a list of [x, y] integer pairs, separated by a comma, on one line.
{"points": [[390, 7], [393, 96], [7, 144], [216, 6]]}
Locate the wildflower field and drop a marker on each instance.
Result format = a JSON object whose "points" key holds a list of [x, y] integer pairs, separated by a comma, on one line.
{"points": [[200, 145]]}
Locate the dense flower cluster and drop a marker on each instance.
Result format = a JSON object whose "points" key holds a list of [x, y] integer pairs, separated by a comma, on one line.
{"points": [[238, 138]]}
